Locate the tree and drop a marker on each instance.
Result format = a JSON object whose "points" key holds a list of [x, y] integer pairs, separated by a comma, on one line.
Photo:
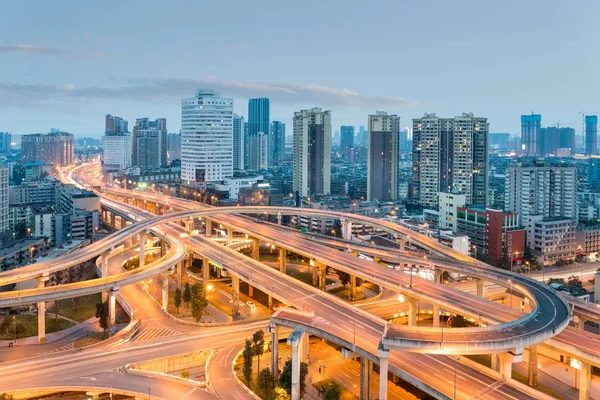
{"points": [[574, 284], [333, 392], [185, 374], [344, 278], [258, 345], [285, 379], [504, 262], [177, 299], [265, 379], [20, 230], [458, 321], [281, 394], [248, 355], [187, 294], [102, 315], [198, 294], [6, 396]]}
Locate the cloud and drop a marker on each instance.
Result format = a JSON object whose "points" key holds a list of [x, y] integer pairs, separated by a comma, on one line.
{"points": [[167, 91], [40, 50]]}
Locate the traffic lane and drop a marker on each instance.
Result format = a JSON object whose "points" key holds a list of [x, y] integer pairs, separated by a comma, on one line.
{"points": [[221, 376]]}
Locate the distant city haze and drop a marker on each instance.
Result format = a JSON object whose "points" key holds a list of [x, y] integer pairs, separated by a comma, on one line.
{"points": [[68, 66]]}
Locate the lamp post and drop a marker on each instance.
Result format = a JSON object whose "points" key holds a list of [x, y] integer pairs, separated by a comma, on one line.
{"points": [[458, 359], [15, 324], [474, 250], [31, 250], [510, 295]]}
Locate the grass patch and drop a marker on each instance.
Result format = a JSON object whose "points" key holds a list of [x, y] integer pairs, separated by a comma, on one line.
{"points": [[27, 326], [77, 308], [321, 386], [91, 338], [523, 379]]}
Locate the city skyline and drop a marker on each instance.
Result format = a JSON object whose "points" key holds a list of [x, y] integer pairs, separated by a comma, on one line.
{"points": [[89, 70]]}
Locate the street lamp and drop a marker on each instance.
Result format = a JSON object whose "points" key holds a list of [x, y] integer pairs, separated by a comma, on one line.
{"points": [[510, 295], [458, 359], [31, 250], [475, 250], [15, 324]]}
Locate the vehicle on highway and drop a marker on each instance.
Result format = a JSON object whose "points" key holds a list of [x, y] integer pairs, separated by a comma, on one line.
{"points": [[251, 305]]}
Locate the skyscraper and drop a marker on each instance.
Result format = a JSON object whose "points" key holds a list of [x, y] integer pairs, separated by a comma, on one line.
{"points": [[238, 142], [117, 151], [277, 142], [346, 137], [258, 133], [382, 165], [530, 132], [148, 131], [53, 148], [450, 155], [5, 142], [206, 138], [312, 152], [174, 146], [114, 124], [591, 135], [246, 146]]}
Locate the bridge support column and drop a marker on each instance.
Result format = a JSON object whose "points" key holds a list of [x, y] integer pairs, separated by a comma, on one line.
{"points": [[163, 247], [274, 329], [579, 322], [479, 283], [255, 249], [41, 310], [205, 269], [304, 348], [436, 316], [179, 273], [208, 225], [532, 372], [250, 290], [315, 272], [229, 236], [142, 249], [412, 311], [346, 229], [438, 275], [506, 360], [235, 296], [383, 371], [165, 292], [270, 302], [352, 287], [494, 362], [366, 374], [401, 242], [323, 277], [278, 217], [294, 340], [112, 307], [585, 380], [282, 260]]}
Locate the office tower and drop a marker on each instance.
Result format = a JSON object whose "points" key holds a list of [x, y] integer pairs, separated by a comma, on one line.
{"points": [[277, 142], [115, 124], [258, 133], [405, 143], [5, 140], [53, 148], [4, 220], [538, 189], [148, 131], [246, 146], [238, 142], [566, 139], [499, 140], [117, 151], [206, 138], [174, 146], [548, 141], [382, 162], [312, 152], [361, 138], [450, 155], [335, 140], [591, 135], [530, 132], [346, 137]]}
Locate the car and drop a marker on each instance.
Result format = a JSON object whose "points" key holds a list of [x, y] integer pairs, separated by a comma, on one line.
{"points": [[251, 305]]}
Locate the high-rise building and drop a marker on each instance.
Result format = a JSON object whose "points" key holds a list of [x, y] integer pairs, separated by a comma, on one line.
{"points": [[246, 146], [382, 163], [206, 138], [114, 124], [277, 142], [152, 136], [591, 135], [238, 142], [361, 137], [312, 152], [53, 148], [566, 139], [530, 132], [258, 133], [117, 151], [4, 220], [405, 143], [5, 141], [450, 155], [539, 189], [499, 140], [346, 137], [174, 146]]}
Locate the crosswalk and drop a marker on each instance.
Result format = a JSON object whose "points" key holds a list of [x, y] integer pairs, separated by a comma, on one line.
{"points": [[152, 330], [66, 347]]}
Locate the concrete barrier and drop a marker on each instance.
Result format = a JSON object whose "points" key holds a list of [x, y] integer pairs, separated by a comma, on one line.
{"points": [[174, 363]]}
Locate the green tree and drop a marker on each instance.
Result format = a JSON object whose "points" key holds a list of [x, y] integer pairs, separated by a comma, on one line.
{"points": [[20, 230], [6, 396], [185, 374], [333, 392], [187, 294], [198, 300], [248, 355], [102, 315], [574, 284], [458, 321], [281, 394], [285, 379], [504, 262], [258, 345], [265, 379], [177, 299]]}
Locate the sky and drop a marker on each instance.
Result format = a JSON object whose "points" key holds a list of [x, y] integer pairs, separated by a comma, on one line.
{"points": [[65, 64]]}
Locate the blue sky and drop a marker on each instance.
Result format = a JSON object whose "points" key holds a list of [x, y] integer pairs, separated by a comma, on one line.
{"points": [[65, 64]]}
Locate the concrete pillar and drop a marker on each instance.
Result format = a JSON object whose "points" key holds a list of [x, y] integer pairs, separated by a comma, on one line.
{"points": [[579, 322], [532, 367], [142, 249], [270, 302], [283, 260], [401, 241], [366, 374], [163, 247], [113, 222], [112, 306], [41, 310], [383, 371], [585, 379], [438, 275], [235, 296], [179, 273], [323, 277], [412, 311], [315, 272], [294, 340], [495, 364], [278, 217], [352, 287], [255, 249], [229, 236], [208, 224], [205, 269], [436, 316], [165, 292], [506, 361], [274, 329], [346, 229], [250, 290], [304, 348], [479, 283]]}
